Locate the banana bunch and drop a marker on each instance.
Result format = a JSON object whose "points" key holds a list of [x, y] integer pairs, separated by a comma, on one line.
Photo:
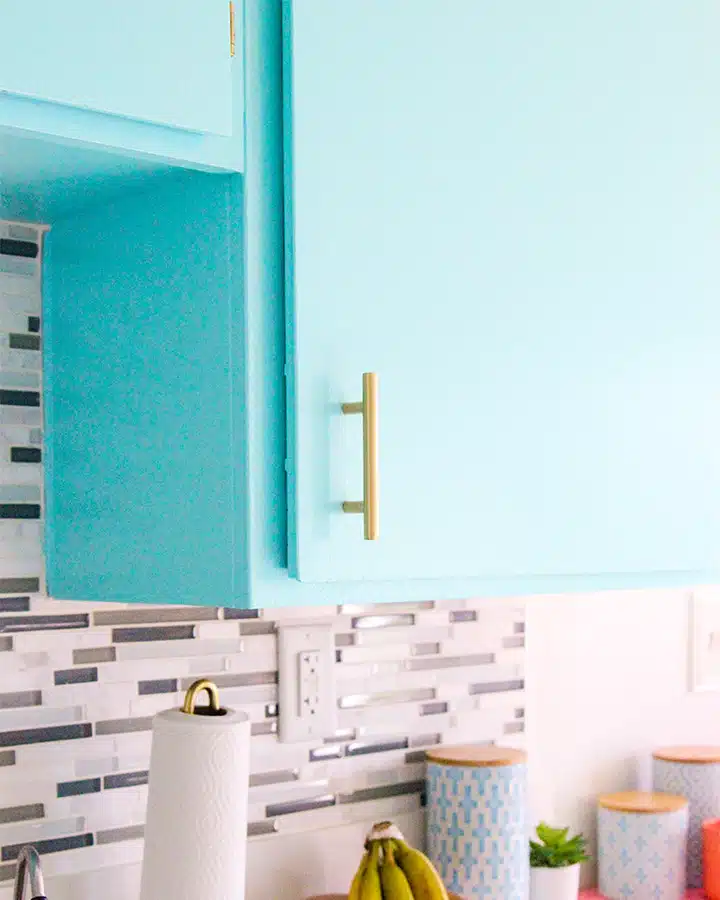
{"points": [[391, 870]]}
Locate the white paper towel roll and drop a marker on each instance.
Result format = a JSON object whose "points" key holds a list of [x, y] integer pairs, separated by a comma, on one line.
{"points": [[196, 829]]}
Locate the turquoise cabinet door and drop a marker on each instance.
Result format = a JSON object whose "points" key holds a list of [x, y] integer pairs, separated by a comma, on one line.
{"points": [[164, 61], [511, 213]]}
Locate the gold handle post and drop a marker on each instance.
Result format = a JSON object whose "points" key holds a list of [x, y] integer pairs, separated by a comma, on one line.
{"points": [[369, 506], [197, 688]]}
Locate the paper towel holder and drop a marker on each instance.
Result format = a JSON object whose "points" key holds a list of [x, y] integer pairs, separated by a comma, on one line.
{"points": [[197, 687]]}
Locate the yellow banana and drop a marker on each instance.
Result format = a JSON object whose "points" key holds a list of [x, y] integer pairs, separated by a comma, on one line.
{"points": [[370, 888], [358, 879], [421, 874], [394, 884]]}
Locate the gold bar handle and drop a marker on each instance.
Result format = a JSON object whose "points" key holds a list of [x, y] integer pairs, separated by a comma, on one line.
{"points": [[369, 506]]}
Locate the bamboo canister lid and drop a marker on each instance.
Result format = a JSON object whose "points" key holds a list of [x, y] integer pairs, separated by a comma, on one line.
{"points": [[699, 755], [642, 802], [468, 755]]}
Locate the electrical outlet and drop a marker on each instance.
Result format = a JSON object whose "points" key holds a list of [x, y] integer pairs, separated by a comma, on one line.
{"points": [[306, 673]]}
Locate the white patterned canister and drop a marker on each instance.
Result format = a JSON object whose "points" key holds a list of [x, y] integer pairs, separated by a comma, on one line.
{"points": [[642, 840], [477, 834], [693, 772]]}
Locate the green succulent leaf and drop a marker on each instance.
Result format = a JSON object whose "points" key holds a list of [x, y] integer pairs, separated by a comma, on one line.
{"points": [[555, 850]]}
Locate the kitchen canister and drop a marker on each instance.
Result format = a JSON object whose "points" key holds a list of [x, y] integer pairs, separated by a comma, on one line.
{"points": [[477, 835], [642, 840], [196, 828], [692, 772]]}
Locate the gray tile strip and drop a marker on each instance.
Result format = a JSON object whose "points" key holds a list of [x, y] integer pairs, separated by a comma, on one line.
{"points": [[263, 728], [230, 613], [295, 806], [386, 790], [330, 751], [150, 616], [115, 835], [6, 644], [241, 679], [127, 779], [255, 829], [429, 740], [75, 788], [512, 642], [20, 699], [433, 709], [259, 627], [519, 628], [514, 728], [54, 845], [76, 676], [17, 624], [44, 735], [7, 758], [21, 813], [14, 604], [496, 687], [463, 615], [19, 585], [427, 649], [7, 873], [24, 341], [262, 778], [355, 701], [344, 640], [363, 748], [94, 655], [392, 621], [123, 726], [158, 686], [161, 633], [450, 662], [520, 712], [19, 510]]}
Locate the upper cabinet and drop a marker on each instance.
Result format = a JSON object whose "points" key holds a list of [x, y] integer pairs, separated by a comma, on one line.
{"points": [[507, 215], [162, 83], [510, 214], [167, 61]]}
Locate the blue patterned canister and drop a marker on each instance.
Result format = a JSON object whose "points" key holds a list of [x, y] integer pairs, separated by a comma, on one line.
{"points": [[692, 772], [477, 831], [642, 842]]}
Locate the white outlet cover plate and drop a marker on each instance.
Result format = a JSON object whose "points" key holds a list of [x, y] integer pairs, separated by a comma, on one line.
{"points": [[704, 640], [297, 722]]}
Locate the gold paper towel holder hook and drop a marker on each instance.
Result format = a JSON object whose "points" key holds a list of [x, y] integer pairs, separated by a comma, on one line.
{"points": [[214, 709]]}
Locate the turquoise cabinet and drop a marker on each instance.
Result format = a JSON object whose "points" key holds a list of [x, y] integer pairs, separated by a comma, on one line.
{"points": [[510, 214], [167, 61], [161, 82]]}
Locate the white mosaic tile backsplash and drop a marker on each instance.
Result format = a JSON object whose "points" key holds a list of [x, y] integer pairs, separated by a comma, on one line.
{"points": [[80, 683]]}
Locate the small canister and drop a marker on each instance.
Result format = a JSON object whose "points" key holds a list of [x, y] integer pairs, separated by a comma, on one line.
{"points": [[477, 820], [642, 841], [692, 772]]}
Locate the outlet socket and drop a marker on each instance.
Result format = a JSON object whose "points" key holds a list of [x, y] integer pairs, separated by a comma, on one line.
{"points": [[306, 672]]}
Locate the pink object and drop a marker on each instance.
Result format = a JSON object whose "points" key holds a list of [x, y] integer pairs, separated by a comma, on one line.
{"points": [[594, 895], [711, 858]]}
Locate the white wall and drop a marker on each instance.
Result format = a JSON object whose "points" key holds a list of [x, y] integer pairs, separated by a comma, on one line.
{"points": [[607, 681]]}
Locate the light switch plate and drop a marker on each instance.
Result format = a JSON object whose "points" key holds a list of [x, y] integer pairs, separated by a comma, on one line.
{"points": [[306, 673]]}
